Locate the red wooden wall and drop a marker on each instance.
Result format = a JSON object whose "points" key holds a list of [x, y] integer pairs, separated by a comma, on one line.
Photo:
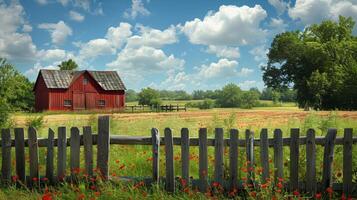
{"points": [[83, 96]]}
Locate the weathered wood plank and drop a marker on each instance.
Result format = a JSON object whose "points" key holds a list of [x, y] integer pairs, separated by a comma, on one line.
{"points": [[103, 146], [328, 159], [347, 162], [264, 154], [185, 154], [6, 156], [88, 150], [218, 156], [20, 154], [61, 153], [249, 138], [294, 159], [155, 138], [310, 177], [50, 156], [233, 160], [170, 170], [33, 151], [278, 154], [75, 154], [203, 160]]}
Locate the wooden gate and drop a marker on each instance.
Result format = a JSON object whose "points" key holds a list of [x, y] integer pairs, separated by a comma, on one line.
{"points": [[78, 100], [90, 100]]}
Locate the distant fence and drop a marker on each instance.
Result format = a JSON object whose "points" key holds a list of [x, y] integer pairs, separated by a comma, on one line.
{"points": [[103, 140], [161, 108]]}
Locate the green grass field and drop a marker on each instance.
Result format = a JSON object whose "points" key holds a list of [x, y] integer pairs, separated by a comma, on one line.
{"points": [[135, 160]]}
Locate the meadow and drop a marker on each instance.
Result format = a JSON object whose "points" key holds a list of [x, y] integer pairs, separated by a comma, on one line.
{"points": [[135, 160]]}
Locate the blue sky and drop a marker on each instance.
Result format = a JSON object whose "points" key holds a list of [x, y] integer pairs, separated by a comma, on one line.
{"points": [[189, 45]]}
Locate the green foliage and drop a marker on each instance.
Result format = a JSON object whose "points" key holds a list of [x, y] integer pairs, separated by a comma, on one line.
{"points": [[206, 104], [208, 94], [174, 95], [4, 112], [35, 121], [16, 89], [320, 63], [68, 65], [131, 95], [230, 96], [249, 99], [149, 96]]}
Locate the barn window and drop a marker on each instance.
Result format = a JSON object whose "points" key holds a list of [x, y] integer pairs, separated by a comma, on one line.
{"points": [[85, 81], [101, 103], [67, 102]]}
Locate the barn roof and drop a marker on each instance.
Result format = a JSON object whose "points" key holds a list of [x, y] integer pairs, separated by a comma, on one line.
{"points": [[61, 79]]}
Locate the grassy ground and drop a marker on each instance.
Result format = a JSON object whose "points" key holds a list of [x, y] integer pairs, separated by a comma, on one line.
{"points": [[135, 160]]}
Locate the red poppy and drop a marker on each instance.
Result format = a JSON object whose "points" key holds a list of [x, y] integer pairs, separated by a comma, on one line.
{"points": [[47, 196], [296, 193], [318, 195], [279, 185]]}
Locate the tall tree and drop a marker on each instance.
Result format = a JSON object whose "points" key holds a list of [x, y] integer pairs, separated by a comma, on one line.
{"points": [[68, 65], [320, 63]]}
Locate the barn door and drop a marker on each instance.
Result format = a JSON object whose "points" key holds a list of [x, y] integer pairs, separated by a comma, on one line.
{"points": [[90, 100], [78, 101]]}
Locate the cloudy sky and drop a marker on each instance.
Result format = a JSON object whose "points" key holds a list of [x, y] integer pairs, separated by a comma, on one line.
{"points": [[183, 44]]}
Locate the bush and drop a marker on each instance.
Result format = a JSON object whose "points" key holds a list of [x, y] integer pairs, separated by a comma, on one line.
{"points": [[230, 96], [4, 113], [149, 96], [206, 104], [249, 99], [36, 122]]}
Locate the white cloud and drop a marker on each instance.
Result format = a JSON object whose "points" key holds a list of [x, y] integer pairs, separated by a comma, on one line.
{"points": [[26, 28], [230, 25], [246, 85], [314, 11], [245, 72], [76, 16], [53, 55], [137, 8], [277, 25], [63, 2], [259, 53], [118, 35], [42, 2], [279, 5], [59, 32], [152, 37], [84, 4], [223, 51], [223, 68], [175, 81], [15, 45], [33, 72]]}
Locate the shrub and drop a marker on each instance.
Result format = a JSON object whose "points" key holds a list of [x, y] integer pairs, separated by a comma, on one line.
{"points": [[35, 121], [4, 113], [230, 96], [206, 104]]}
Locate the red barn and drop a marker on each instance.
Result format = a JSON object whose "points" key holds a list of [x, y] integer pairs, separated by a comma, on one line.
{"points": [[78, 90]]}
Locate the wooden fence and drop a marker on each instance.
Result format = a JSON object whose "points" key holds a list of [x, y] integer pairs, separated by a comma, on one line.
{"points": [[161, 108], [103, 140]]}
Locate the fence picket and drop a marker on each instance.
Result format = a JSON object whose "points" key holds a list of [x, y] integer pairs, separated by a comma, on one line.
{"points": [[233, 160], [103, 146], [88, 150], [278, 154], [33, 151], [203, 160], [264, 154], [50, 156], [249, 141], [310, 177], [6, 156], [185, 154], [294, 159], [170, 170], [328, 159], [20, 154], [61, 153], [347, 162], [218, 158], [75, 143], [155, 137]]}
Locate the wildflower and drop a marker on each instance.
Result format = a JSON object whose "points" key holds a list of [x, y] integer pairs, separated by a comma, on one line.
{"points": [[35, 179], [81, 196], [263, 186], [97, 194], [296, 193], [14, 178], [47, 196], [122, 167], [280, 179], [278, 191], [279, 185], [183, 182], [318, 195], [117, 161], [253, 194], [329, 190], [215, 184], [343, 197], [44, 179], [92, 187]]}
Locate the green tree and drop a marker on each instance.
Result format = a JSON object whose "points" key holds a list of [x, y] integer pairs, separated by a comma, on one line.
{"points": [[131, 95], [15, 88], [68, 65], [320, 63], [149, 96], [230, 96], [249, 99]]}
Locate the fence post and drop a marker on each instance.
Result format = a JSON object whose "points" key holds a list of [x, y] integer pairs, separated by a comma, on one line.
{"points": [[218, 158], [6, 156], [328, 159], [185, 154], [233, 160], [264, 154], [75, 143], [203, 161], [33, 151], [249, 139], [88, 150], [278, 154], [310, 177], [294, 159], [169, 151], [155, 138], [61, 154], [103, 146], [49, 156], [20, 154], [347, 162]]}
